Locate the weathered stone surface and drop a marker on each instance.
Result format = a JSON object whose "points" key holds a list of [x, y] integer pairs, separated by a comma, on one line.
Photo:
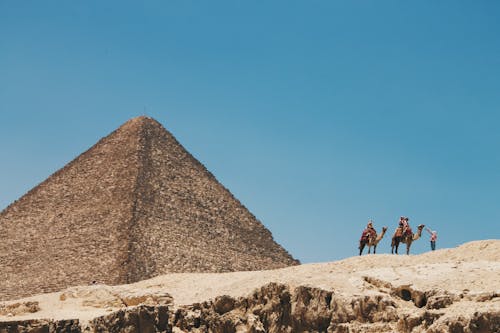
{"points": [[480, 322], [438, 299], [418, 320], [41, 326], [133, 206], [275, 308], [19, 308], [141, 319], [311, 309]]}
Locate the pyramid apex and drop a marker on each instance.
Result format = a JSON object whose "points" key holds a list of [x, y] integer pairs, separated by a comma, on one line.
{"points": [[142, 120], [136, 123]]}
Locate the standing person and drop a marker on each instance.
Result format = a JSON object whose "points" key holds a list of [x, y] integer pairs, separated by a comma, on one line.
{"points": [[433, 238]]}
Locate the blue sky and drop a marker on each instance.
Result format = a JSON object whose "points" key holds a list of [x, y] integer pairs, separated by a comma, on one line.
{"points": [[317, 115]]}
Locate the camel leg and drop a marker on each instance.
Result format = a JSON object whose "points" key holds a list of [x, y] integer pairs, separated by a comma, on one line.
{"points": [[361, 247], [395, 244], [408, 247], [374, 248]]}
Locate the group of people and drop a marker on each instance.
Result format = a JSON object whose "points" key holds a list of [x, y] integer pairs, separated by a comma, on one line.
{"points": [[402, 230]]}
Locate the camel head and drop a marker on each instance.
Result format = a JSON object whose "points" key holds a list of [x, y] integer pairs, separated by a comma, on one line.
{"points": [[418, 233], [379, 236]]}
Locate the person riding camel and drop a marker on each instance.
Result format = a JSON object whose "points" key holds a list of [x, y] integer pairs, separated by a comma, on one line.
{"points": [[401, 221], [406, 226], [369, 231], [401, 226]]}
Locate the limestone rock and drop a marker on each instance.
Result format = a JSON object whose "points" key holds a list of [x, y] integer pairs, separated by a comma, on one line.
{"points": [[141, 319], [19, 308], [276, 308]]}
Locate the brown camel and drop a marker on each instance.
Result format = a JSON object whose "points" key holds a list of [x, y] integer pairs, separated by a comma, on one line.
{"points": [[371, 241], [406, 239]]}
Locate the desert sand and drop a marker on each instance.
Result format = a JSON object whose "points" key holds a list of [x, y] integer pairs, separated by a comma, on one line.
{"points": [[472, 269]]}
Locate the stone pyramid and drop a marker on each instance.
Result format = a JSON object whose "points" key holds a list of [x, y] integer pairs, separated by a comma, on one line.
{"points": [[133, 206]]}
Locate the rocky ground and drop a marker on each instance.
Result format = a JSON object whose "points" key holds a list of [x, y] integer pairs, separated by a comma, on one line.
{"points": [[449, 290]]}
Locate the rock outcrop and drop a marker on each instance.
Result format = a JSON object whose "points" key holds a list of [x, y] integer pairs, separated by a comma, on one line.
{"points": [[275, 308], [449, 290], [134, 206]]}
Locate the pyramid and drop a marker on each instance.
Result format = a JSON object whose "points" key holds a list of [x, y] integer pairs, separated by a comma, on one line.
{"points": [[133, 206]]}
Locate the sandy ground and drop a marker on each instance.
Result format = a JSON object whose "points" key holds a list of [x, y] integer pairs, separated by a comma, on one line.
{"points": [[472, 268]]}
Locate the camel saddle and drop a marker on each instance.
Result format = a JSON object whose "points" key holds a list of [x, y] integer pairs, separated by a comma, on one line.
{"points": [[365, 235]]}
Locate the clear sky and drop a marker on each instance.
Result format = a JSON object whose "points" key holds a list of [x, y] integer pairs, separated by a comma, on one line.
{"points": [[317, 115]]}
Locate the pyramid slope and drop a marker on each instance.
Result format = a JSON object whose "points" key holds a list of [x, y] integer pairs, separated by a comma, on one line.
{"points": [[133, 206], [188, 222]]}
